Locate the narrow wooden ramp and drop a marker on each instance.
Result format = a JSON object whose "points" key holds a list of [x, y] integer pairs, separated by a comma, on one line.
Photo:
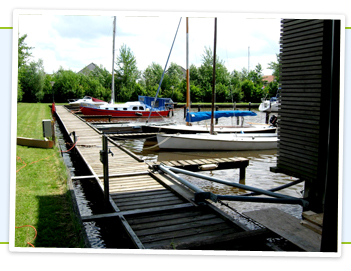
{"points": [[288, 227]]}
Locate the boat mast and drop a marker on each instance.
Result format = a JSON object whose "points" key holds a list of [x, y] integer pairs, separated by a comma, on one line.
{"points": [[214, 77], [113, 61], [187, 72]]}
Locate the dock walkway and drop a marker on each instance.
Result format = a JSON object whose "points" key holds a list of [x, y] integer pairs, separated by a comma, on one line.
{"points": [[156, 212]]}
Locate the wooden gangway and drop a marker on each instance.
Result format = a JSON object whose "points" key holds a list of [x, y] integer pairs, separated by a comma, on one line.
{"points": [[155, 210]]}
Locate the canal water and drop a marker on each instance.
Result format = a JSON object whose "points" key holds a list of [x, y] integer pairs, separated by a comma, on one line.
{"points": [[258, 175], [258, 172]]}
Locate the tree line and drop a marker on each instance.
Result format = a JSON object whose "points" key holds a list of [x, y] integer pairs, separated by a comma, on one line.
{"points": [[34, 85]]}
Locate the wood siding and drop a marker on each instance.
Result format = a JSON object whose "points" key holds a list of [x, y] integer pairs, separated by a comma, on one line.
{"points": [[308, 74]]}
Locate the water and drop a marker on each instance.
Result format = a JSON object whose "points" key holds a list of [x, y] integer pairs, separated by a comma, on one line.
{"points": [[102, 234], [258, 172]]}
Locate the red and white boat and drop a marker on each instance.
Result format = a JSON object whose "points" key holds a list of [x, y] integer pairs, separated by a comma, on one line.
{"points": [[137, 109]]}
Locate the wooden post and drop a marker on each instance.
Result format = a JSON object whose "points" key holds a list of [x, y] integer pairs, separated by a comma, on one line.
{"points": [[104, 161], [53, 131], [267, 117], [242, 172]]}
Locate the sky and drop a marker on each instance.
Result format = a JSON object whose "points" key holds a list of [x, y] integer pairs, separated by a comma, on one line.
{"points": [[74, 40]]}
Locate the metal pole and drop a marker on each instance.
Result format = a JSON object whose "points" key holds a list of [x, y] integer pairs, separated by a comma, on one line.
{"points": [[214, 77], [241, 186], [187, 72], [164, 70], [175, 176], [113, 62]]}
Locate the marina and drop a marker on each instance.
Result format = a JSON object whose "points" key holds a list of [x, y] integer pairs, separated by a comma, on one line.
{"points": [[154, 210]]}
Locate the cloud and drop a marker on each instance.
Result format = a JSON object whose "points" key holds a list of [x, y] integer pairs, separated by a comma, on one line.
{"points": [[75, 41]]}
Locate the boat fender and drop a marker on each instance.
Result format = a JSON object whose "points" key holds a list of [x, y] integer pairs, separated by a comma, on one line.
{"points": [[208, 167]]}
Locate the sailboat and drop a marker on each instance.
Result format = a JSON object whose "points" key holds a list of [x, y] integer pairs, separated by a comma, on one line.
{"points": [[144, 107], [191, 117], [214, 141]]}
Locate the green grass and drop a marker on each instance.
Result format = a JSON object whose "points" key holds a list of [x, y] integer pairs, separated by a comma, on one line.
{"points": [[42, 196]]}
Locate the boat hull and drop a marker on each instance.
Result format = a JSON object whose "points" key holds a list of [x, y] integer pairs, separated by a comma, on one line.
{"points": [[183, 129], [269, 107], [207, 142], [122, 114]]}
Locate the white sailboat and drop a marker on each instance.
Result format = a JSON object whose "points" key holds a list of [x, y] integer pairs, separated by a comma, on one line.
{"points": [[192, 117], [219, 142], [214, 141]]}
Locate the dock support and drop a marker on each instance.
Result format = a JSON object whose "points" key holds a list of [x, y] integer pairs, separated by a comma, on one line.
{"points": [[104, 160]]}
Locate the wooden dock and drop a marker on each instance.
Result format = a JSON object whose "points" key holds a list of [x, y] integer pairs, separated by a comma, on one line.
{"points": [[155, 210]]}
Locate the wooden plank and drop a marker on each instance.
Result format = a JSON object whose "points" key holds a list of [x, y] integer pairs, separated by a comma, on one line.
{"points": [[150, 205], [141, 193], [164, 216], [208, 239], [152, 238], [313, 217], [181, 225], [137, 212], [288, 227], [151, 199]]}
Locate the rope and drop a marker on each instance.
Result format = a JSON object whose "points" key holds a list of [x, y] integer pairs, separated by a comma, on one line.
{"points": [[157, 144], [19, 158], [29, 243], [242, 215], [72, 146]]}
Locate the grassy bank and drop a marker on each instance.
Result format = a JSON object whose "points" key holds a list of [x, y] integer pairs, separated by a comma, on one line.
{"points": [[42, 196]]}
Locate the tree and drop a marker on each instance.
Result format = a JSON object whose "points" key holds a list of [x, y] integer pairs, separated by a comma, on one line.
{"points": [[32, 81], [23, 56], [23, 51], [127, 73], [151, 77], [275, 66]]}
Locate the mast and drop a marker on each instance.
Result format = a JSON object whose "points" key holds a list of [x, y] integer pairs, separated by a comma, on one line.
{"points": [[248, 59], [214, 76], [187, 72], [113, 62]]}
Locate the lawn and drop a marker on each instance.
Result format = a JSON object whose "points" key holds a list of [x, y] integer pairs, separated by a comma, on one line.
{"points": [[43, 200]]}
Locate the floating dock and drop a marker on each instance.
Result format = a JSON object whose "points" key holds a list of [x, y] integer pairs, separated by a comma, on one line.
{"points": [[156, 211]]}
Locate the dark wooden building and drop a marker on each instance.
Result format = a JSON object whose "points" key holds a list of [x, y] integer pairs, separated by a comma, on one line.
{"points": [[309, 115]]}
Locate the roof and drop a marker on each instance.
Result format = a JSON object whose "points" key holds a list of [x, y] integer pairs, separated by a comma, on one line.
{"points": [[88, 68], [268, 78]]}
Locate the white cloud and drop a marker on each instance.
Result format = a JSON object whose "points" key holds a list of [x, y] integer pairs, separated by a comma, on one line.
{"points": [[75, 41]]}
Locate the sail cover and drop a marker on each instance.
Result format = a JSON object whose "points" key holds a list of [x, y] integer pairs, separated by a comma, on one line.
{"points": [[160, 104], [199, 116]]}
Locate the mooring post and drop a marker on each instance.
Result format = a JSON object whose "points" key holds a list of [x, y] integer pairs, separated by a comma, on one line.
{"points": [[104, 160], [74, 141], [267, 117], [242, 173]]}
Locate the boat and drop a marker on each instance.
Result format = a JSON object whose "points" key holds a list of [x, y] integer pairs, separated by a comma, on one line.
{"points": [[143, 108], [86, 99], [271, 105], [217, 142], [213, 141], [200, 116]]}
